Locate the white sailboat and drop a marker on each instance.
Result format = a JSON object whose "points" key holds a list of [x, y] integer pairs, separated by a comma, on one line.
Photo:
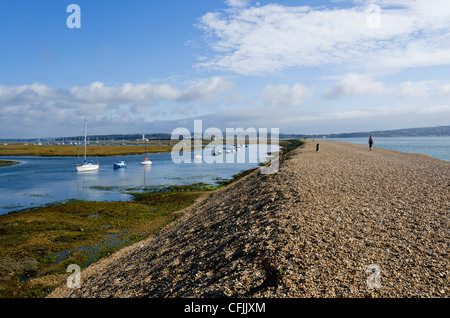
{"points": [[87, 165], [146, 161]]}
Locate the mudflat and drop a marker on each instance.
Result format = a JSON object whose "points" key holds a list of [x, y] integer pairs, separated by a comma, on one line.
{"points": [[344, 221], [4, 163]]}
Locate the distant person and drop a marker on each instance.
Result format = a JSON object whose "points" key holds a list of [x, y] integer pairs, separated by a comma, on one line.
{"points": [[370, 142]]}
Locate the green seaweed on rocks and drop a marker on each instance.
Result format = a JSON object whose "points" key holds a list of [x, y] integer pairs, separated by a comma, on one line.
{"points": [[78, 232]]}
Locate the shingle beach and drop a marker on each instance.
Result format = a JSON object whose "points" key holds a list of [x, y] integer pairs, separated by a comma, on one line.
{"points": [[344, 221]]}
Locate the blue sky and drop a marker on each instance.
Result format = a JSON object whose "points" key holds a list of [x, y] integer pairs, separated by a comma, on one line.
{"points": [[152, 66]]}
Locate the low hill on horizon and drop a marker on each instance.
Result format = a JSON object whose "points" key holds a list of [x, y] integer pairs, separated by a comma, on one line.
{"points": [[405, 132]]}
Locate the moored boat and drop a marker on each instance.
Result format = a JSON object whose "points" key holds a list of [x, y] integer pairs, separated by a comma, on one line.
{"points": [[87, 165], [120, 164], [146, 161]]}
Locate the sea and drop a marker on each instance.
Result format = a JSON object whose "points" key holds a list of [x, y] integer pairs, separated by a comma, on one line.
{"points": [[436, 147]]}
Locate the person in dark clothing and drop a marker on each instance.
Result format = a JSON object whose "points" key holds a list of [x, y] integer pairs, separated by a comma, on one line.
{"points": [[370, 142]]}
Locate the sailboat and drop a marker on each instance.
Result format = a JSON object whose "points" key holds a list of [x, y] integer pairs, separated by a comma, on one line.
{"points": [[87, 165], [146, 161]]}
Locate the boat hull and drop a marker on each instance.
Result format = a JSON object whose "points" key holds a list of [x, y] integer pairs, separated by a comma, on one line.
{"points": [[87, 167], [119, 165], [147, 162]]}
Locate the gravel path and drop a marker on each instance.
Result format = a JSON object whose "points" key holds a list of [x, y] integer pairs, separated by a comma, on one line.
{"points": [[340, 222]]}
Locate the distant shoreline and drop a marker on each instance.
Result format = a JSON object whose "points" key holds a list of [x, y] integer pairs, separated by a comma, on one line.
{"points": [[19, 149], [74, 151]]}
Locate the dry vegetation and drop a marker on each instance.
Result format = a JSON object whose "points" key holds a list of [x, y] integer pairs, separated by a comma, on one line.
{"points": [[66, 150]]}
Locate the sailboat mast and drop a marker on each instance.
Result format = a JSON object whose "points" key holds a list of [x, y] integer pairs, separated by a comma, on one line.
{"points": [[145, 155], [85, 131]]}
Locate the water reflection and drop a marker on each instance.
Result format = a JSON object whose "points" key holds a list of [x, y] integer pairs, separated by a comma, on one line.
{"points": [[83, 181]]}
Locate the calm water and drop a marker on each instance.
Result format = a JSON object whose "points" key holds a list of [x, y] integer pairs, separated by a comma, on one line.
{"points": [[437, 147], [38, 181]]}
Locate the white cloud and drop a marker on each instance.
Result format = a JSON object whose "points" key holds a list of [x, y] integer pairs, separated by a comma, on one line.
{"points": [[206, 89], [149, 94], [98, 93], [440, 109], [237, 3], [299, 120], [270, 38], [285, 95], [34, 93], [422, 89], [411, 89], [445, 90], [351, 85], [38, 105]]}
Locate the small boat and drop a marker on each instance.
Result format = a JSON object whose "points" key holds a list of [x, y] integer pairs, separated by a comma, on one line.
{"points": [[198, 157], [146, 161], [217, 152], [120, 164], [87, 165]]}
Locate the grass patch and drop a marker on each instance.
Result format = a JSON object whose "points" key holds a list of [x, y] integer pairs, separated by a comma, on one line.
{"points": [[236, 177], [73, 151], [175, 188], [289, 145], [39, 244]]}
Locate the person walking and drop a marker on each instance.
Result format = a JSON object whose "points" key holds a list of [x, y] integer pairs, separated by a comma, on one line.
{"points": [[370, 142]]}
